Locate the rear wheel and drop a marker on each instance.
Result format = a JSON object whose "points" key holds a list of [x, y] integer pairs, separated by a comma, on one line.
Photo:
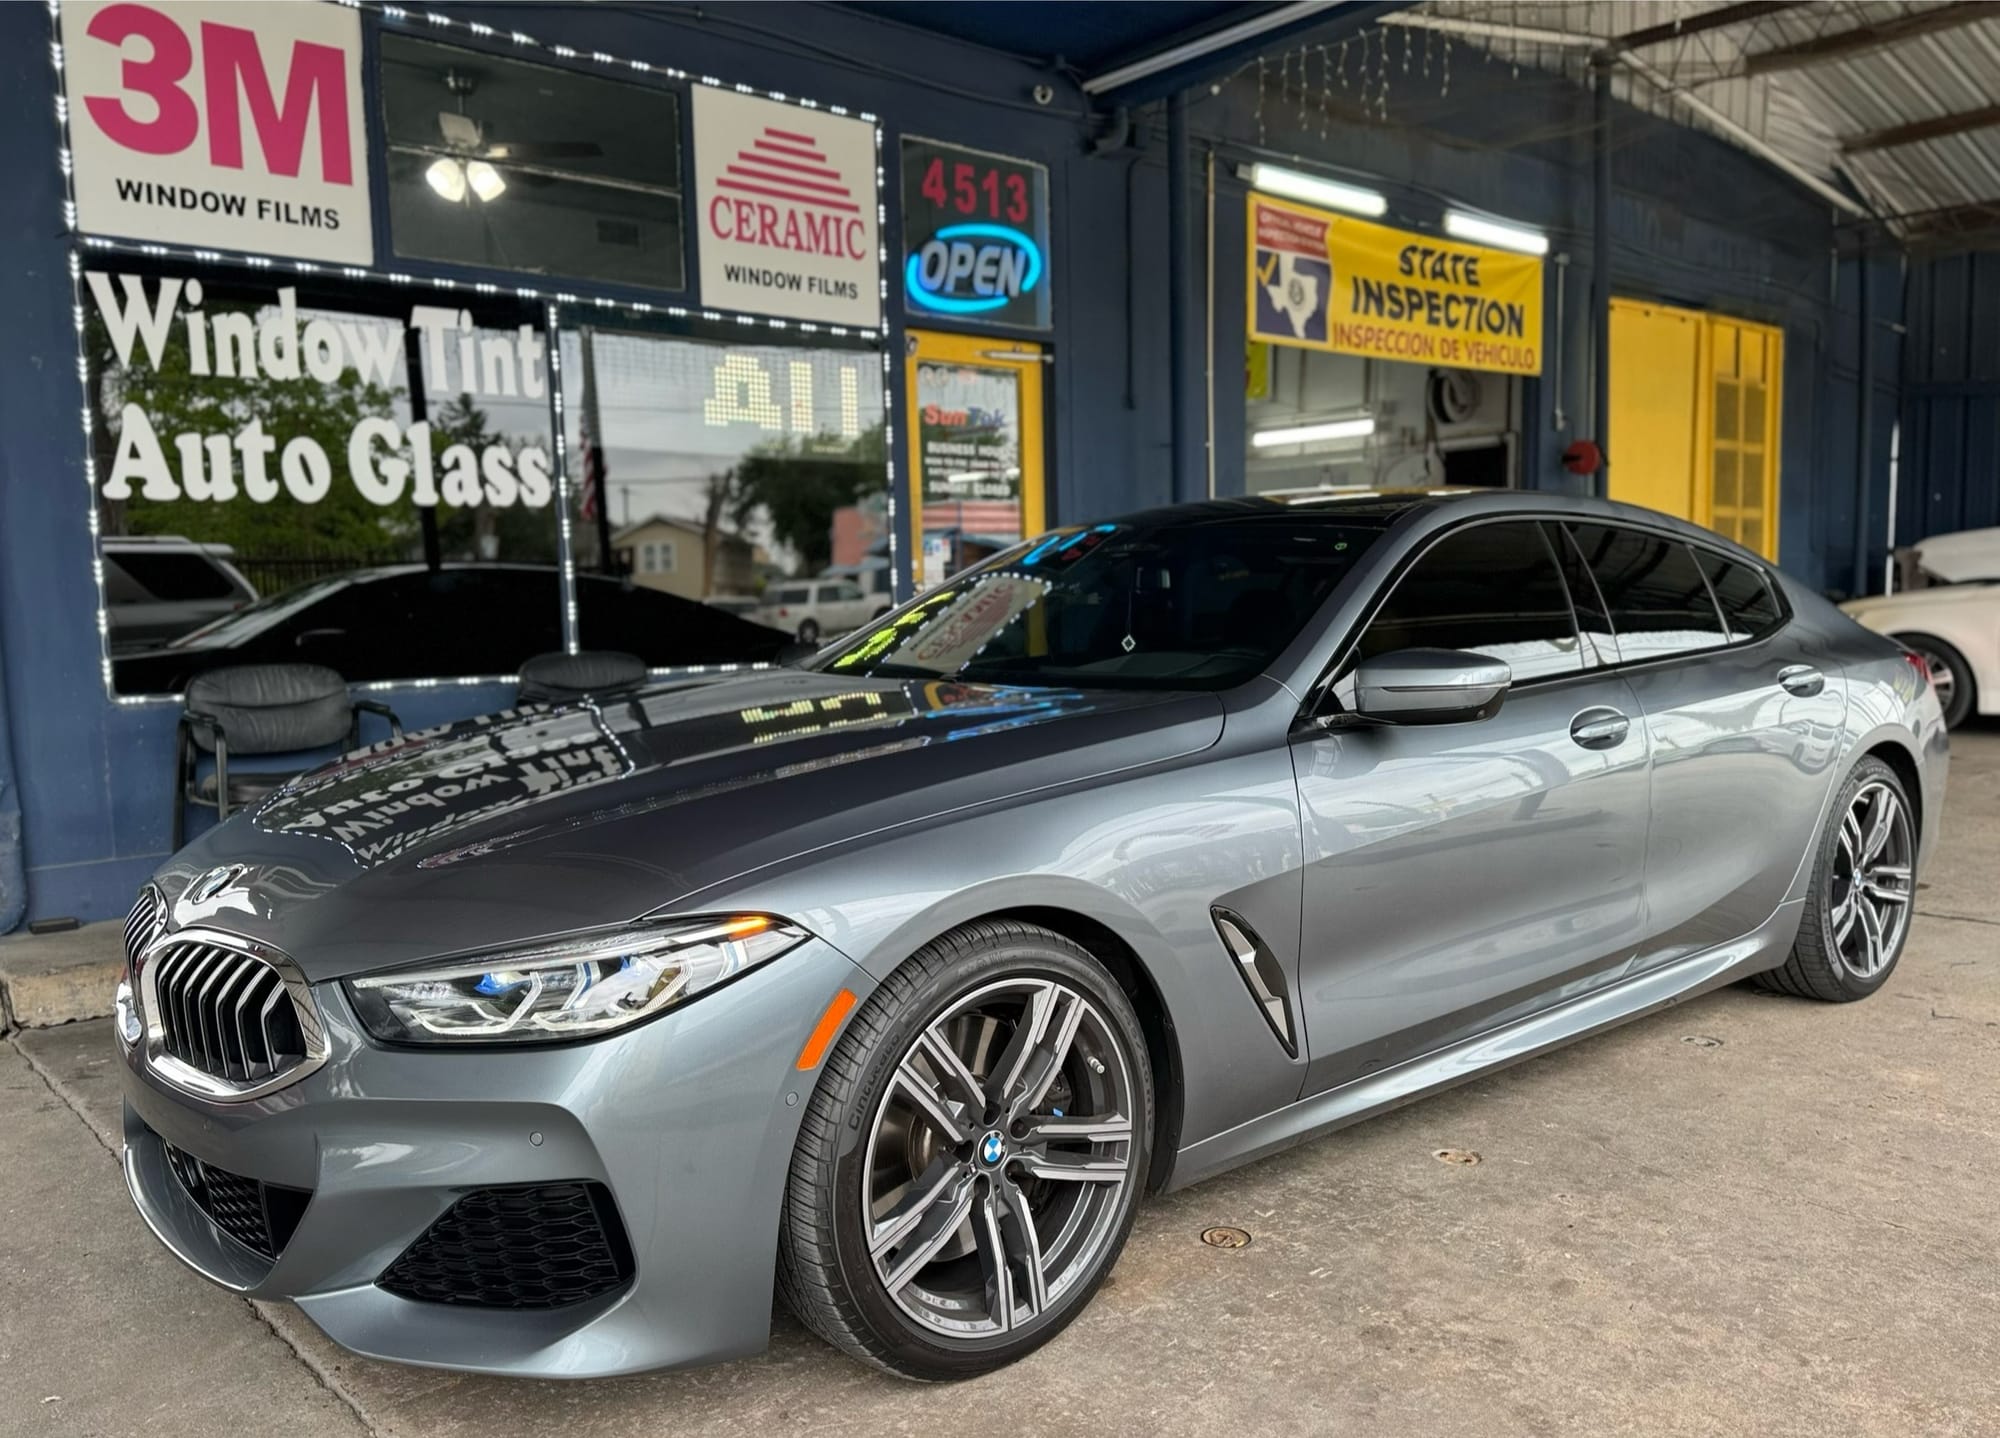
{"points": [[972, 1160], [809, 631], [1864, 887], [1951, 680]]}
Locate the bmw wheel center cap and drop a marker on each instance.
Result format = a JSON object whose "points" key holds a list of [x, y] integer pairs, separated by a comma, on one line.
{"points": [[992, 1148]]}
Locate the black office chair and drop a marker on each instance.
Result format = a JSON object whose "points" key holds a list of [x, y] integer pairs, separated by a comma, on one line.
{"points": [[593, 674], [260, 709]]}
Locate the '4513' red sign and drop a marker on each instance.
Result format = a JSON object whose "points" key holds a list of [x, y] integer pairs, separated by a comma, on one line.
{"points": [[220, 125], [975, 236]]}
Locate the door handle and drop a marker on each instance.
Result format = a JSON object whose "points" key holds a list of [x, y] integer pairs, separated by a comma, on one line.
{"points": [[1801, 679], [1600, 728]]}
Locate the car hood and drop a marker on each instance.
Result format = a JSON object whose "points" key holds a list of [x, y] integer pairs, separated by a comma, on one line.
{"points": [[1886, 611], [538, 821]]}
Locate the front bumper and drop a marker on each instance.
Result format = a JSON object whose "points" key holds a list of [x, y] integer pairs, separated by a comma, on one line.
{"points": [[688, 1121]]}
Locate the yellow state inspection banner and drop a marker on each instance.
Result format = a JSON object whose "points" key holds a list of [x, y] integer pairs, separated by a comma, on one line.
{"points": [[1319, 280]]}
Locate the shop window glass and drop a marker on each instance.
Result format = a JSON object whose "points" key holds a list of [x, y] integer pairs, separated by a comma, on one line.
{"points": [[762, 464], [1493, 589], [360, 461], [1659, 601], [529, 168]]}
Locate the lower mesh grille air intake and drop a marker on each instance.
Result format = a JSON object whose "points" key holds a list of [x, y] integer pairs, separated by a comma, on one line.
{"points": [[532, 1246], [260, 1216]]}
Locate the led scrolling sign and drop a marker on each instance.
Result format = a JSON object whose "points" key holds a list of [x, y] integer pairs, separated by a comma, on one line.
{"points": [[976, 233]]}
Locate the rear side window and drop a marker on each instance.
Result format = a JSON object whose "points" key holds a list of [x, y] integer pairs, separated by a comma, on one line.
{"points": [[800, 594], [1493, 589], [172, 576], [1743, 592], [1654, 590]]}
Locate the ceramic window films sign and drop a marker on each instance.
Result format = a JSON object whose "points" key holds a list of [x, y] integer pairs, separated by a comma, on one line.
{"points": [[787, 206]]}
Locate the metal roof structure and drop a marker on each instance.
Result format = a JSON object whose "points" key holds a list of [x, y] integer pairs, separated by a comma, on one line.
{"points": [[1889, 109]]}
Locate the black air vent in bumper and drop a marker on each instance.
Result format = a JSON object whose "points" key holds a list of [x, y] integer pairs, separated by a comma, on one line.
{"points": [[260, 1216], [1262, 973], [527, 1246]]}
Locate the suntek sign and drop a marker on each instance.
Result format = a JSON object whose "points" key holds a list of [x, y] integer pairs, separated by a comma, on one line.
{"points": [[229, 126]]}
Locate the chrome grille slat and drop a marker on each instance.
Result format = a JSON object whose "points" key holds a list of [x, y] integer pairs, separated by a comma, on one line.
{"points": [[227, 1018]]}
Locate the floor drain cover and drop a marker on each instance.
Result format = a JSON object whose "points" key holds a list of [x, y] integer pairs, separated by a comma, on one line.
{"points": [[1226, 1237], [1701, 1041], [1456, 1155]]}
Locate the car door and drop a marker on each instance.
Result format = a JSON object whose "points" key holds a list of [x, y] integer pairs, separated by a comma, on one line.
{"points": [[1743, 715], [1459, 875]]}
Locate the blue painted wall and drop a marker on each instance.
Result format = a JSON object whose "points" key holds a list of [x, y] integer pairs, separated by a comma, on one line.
{"points": [[1950, 472], [1696, 223]]}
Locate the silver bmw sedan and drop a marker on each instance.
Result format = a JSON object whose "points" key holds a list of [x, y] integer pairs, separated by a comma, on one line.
{"points": [[552, 1042]]}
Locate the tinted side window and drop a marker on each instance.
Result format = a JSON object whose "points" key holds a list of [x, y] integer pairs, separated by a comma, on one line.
{"points": [[1600, 643], [1658, 600], [1749, 608], [1493, 590]]}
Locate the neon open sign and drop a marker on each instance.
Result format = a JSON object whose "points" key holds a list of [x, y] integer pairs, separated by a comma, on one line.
{"points": [[976, 235], [973, 269]]}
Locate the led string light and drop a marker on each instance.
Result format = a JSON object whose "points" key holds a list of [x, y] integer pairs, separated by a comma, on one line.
{"points": [[879, 335]]}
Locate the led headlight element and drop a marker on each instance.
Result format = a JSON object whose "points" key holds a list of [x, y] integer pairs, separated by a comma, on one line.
{"points": [[568, 988]]}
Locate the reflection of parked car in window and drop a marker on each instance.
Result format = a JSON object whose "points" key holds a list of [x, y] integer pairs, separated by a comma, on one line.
{"points": [[409, 622], [159, 586], [814, 609]]}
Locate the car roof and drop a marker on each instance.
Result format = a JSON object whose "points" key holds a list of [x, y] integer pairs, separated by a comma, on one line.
{"points": [[1424, 508]]}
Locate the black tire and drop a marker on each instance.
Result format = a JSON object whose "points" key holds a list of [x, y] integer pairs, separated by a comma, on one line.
{"points": [[826, 1274], [1821, 965], [809, 631], [1945, 659]]}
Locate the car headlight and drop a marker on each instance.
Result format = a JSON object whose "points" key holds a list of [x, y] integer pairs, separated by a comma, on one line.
{"points": [[568, 988]]}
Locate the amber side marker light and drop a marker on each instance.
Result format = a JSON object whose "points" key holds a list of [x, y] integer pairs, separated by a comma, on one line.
{"points": [[823, 1031]]}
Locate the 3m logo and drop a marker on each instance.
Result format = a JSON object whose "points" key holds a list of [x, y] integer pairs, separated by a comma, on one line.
{"points": [[218, 124], [168, 119], [817, 216]]}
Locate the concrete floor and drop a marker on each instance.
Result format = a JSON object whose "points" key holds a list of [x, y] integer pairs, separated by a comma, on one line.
{"points": [[1747, 1215]]}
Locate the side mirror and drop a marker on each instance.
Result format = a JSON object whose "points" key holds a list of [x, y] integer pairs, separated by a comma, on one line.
{"points": [[1429, 686]]}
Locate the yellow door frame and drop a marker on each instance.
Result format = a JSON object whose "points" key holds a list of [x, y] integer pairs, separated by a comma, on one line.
{"points": [[991, 352]]}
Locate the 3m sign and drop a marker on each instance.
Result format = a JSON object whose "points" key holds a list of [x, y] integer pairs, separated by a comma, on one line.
{"points": [[234, 126], [787, 206]]}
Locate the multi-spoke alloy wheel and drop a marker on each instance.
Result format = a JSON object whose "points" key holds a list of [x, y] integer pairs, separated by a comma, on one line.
{"points": [[970, 1165], [1864, 885], [1871, 885]]}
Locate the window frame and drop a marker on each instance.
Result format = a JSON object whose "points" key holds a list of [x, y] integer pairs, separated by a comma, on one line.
{"points": [[1320, 695]]}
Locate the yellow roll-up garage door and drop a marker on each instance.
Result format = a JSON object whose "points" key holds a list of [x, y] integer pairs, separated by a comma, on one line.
{"points": [[1695, 401]]}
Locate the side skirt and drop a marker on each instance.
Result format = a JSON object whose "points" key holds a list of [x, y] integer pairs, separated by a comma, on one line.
{"points": [[1762, 948]]}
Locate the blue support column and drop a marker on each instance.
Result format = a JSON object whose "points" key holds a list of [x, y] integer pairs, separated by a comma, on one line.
{"points": [[1184, 369]]}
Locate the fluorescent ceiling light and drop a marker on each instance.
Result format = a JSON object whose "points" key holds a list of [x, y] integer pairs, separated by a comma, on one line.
{"points": [[1311, 433], [1461, 226], [1315, 191], [447, 179], [485, 180]]}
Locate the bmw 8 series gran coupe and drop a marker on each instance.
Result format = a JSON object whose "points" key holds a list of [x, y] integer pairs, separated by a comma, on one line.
{"points": [[553, 1042]]}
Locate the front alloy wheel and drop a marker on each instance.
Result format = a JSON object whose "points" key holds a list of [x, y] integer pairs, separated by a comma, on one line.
{"points": [[972, 1160]]}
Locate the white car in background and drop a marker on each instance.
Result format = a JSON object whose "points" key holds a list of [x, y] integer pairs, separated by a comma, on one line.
{"points": [[1954, 622], [816, 609]]}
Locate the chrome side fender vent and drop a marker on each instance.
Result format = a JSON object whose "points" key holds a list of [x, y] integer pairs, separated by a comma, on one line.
{"points": [[1262, 973]]}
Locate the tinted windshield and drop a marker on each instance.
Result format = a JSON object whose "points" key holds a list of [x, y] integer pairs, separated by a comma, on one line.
{"points": [[1188, 604]]}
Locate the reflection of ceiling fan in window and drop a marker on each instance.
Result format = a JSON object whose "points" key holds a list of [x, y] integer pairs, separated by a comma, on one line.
{"points": [[470, 168]]}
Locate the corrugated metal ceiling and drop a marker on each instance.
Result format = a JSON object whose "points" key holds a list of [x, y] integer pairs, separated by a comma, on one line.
{"points": [[1806, 107]]}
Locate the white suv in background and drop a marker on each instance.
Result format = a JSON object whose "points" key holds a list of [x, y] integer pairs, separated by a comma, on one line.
{"points": [[815, 609], [158, 587]]}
